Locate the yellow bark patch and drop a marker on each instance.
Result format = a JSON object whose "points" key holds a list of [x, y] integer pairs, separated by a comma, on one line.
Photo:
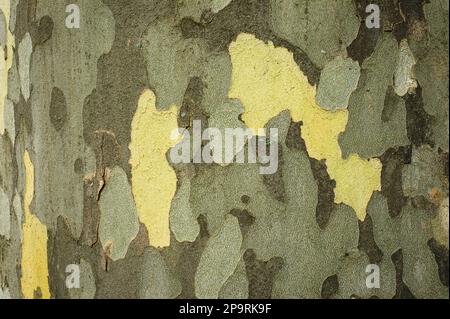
{"points": [[5, 62], [153, 180], [34, 246], [267, 80]]}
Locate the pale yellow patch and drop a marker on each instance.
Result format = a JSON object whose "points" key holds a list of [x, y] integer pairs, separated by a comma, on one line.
{"points": [[153, 180], [356, 180], [34, 247], [5, 64], [267, 81]]}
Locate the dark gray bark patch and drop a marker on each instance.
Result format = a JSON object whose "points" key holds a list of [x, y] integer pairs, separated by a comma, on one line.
{"points": [[294, 139], [107, 150], [402, 290], [261, 274], [192, 109], [189, 259], [393, 20], [121, 279], [330, 287], [418, 122], [325, 192], [58, 109], [91, 213], [107, 154], [8, 165], [415, 17], [441, 256], [245, 199], [78, 166], [25, 19], [274, 182], [393, 161], [45, 30], [244, 217], [367, 242], [366, 40], [63, 250], [325, 185], [22, 115]]}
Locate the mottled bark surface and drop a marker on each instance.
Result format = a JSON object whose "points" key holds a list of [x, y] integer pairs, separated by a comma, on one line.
{"points": [[93, 204]]}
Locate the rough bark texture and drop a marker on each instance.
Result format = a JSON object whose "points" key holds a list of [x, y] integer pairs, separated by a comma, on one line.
{"points": [[87, 180]]}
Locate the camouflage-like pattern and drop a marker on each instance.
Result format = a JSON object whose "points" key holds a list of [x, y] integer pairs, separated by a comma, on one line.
{"points": [[85, 177]]}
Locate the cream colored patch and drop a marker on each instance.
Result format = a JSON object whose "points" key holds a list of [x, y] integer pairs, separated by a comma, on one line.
{"points": [[267, 81], [34, 247], [5, 62], [153, 180]]}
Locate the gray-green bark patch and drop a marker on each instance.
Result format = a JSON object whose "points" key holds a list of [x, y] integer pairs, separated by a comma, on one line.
{"points": [[183, 222], [73, 69], [425, 176], [5, 215], [219, 259], [236, 287], [339, 78], [3, 30], [156, 280], [25, 49], [377, 116], [322, 28], [119, 222]]}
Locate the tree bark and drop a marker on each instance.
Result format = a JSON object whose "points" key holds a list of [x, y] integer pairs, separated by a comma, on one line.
{"points": [[93, 204]]}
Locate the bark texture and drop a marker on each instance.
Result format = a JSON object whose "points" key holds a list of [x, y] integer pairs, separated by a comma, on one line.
{"points": [[88, 187]]}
